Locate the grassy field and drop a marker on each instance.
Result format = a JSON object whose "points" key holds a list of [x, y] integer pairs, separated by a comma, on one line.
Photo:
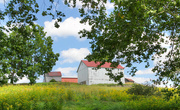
{"points": [[66, 96]]}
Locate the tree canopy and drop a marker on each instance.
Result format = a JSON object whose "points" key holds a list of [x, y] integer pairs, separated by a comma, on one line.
{"points": [[27, 54], [25, 51], [134, 32]]}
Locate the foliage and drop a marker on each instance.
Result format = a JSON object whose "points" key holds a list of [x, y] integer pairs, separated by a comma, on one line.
{"points": [[29, 56], [134, 33], [3, 80], [56, 96], [21, 53], [24, 12], [52, 80], [169, 93], [139, 89]]}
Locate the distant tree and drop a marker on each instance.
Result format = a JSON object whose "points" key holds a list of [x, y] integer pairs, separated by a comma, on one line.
{"points": [[29, 56], [133, 32]]}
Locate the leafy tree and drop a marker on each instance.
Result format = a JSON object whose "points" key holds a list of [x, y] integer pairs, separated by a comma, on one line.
{"points": [[3, 64], [133, 33], [26, 52], [23, 12], [29, 56]]}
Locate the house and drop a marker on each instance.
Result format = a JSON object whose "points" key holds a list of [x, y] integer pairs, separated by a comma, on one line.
{"points": [[127, 80], [88, 75], [52, 75], [69, 79]]}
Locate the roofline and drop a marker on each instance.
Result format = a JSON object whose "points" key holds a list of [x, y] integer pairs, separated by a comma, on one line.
{"points": [[69, 77], [54, 72], [79, 66], [104, 67], [101, 67]]}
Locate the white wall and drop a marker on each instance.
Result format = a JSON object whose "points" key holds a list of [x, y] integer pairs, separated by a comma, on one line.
{"points": [[99, 76], [83, 73], [89, 76], [49, 78]]}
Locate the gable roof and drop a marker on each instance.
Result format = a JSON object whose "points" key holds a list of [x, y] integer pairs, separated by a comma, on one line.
{"points": [[130, 80], [57, 73], [106, 65]]}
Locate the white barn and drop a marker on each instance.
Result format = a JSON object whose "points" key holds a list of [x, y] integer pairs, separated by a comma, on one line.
{"points": [[52, 75], [87, 75]]}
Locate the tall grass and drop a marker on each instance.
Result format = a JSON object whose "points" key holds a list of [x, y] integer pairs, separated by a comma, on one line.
{"points": [[57, 96]]}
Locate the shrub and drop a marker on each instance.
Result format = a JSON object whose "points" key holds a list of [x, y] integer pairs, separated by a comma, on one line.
{"points": [[171, 92], [138, 89], [52, 80], [3, 80]]}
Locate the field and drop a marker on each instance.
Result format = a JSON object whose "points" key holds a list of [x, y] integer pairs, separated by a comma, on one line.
{"points": [[66, 96]]}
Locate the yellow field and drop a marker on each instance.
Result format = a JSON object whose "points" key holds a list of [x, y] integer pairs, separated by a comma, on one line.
{"points": [[56, 96]]}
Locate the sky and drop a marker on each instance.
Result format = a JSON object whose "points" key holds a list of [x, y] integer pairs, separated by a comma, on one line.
{"points": [[73, 49]]}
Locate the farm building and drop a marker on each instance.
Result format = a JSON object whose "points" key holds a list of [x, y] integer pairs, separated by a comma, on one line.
{"points": [[52, 75], [69, 79], [88, 75], [127, 80]]}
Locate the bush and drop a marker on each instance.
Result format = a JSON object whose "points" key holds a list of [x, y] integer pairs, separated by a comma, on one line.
{"points": [[52, 80], [171, 92], [3, 80], [138, 89]]}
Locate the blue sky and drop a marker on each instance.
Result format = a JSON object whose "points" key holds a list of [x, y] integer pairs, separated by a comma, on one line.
{"points": [[72, 49]]}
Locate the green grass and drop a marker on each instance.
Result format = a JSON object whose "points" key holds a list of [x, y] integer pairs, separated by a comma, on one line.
{"points": [[68, 96]]}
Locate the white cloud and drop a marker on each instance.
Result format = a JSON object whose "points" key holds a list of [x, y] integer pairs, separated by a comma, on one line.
{"points": [[78, 4], [109, 5], [2, 1], [23, 80], [70, 27], [162, 58], [69, 71], [74, 55], [146, 71], [40, 79], [165, 44], [26, 80]]}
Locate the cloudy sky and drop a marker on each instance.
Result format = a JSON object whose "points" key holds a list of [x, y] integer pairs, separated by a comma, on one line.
{"points": [[73, 49]]}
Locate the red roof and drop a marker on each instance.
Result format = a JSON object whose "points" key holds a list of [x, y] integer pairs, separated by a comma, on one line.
{"points": [[106, 65], [58, 73], [73, 80], [129, 80]]}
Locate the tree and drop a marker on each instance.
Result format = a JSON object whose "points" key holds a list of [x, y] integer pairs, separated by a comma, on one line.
{"points": [[29, 56], [26, 52], [3, 64], [133, 33], [23, 12]]}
